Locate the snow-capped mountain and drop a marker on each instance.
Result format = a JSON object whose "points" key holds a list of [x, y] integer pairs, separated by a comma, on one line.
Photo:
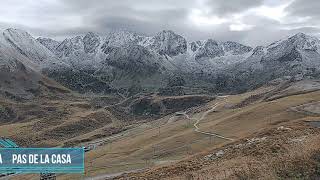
{"points": [[21, 59], [121, 55], [297, 57], [91, 42], [168, 43], [119, 38], [26, 45], [293, 49], [121, 59], [51, 44], [211, 48]]}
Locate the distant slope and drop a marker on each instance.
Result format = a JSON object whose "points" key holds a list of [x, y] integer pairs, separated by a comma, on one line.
{"points": [[20, 46], [19, 75], [296, 57]]}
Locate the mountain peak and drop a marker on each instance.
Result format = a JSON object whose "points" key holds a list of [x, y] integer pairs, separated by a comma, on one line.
{"points": [[300, 40], [121, 37], [306, 42], [91, 42], [17, 33], [210, 49], [90, 33], [49, 43], [169, 43], [300, 34], [236, 48], [26, 45], [15, 30], [303, 37], [166, 32], [212, 41]]}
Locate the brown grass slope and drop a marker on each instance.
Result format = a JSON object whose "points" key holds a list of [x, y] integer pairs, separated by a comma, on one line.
{"points": [[272, 142]]}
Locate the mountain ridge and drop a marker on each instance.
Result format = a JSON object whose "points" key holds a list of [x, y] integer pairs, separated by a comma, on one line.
{"points": [[123, 59]]}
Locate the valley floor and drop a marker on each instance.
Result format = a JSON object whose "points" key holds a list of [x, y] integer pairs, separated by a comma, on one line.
{"points": [[263, 134]]}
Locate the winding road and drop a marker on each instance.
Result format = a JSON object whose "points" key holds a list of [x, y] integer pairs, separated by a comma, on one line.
{"points": [[196, 127]]}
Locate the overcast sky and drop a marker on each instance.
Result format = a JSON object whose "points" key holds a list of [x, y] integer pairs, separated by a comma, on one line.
{"points": [[253, 22]]}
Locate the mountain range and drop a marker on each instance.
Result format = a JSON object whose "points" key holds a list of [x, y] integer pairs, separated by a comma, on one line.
{"points": [[124, 61]]}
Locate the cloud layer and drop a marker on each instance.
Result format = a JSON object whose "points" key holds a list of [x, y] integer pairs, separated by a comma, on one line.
{"points": [[257, 22]]}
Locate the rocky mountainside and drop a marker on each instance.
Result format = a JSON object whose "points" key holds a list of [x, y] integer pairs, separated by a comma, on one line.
{"points": [[168, 43], [21, 57], [51, 44], [24, 44], [295, 58], [124, 60]]}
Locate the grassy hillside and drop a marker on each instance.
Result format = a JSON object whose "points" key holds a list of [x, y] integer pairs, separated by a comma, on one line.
{"points": [[270, 137]]}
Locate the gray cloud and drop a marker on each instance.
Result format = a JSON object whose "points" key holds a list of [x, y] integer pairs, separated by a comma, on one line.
{"points": [[213, 18], [226, 7], [304, 8]]}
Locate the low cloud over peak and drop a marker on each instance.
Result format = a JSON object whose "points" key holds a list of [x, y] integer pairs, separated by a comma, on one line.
{"points": [[243, 21]]}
